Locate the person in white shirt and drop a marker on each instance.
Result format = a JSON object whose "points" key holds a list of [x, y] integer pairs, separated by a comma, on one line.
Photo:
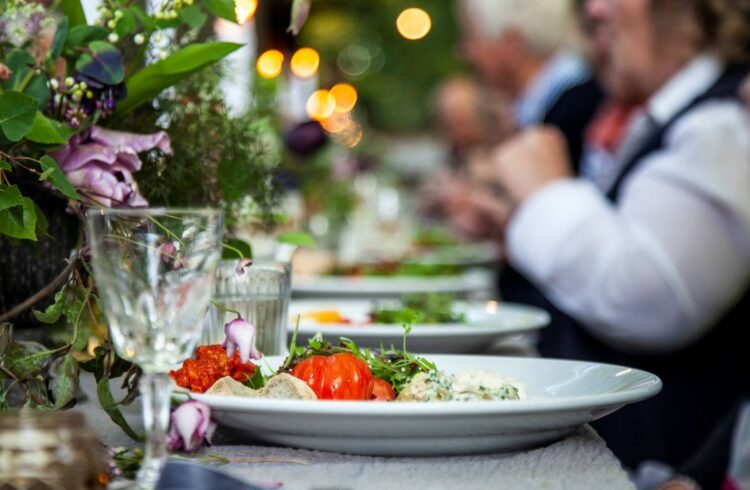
{"points": [[653, 265]]}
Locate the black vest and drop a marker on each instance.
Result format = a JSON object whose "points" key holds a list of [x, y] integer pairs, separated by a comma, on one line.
{"points": [[701, 382]]}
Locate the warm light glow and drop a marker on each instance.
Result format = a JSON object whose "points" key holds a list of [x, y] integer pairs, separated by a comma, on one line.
{"points": [[351, 136], [413, 23], [491, 307], [245, 9], [337, 122], [305, 62], [320, 105], [345, 95], [269, 64]]}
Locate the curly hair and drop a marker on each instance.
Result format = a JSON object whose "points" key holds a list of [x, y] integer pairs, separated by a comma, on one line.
{"points": [[722, 25]]}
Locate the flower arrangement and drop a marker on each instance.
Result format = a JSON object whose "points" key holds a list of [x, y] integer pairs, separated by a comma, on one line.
{"points": [[84, 114]]}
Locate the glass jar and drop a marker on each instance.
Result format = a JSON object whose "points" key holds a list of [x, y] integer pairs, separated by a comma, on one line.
{"points": [[50, 450]]}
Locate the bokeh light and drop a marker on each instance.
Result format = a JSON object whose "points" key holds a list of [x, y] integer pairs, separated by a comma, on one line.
{"points": [[320, 105], [345, 95], [337, 122], [270, 63], [305, 62], [413, 23], [245, 9]]}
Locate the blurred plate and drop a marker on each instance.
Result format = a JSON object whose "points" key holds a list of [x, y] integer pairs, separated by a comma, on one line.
{"points": [[472, 281], [562, 395], [486, 323]]}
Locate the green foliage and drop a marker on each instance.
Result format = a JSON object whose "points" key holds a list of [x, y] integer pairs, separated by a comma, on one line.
{"points": [[154, 78], [17, 112], [73, 10], [47, 131], [257, 380], [102, 62], [17, 214], [221, 8], [395, 77], [59, 40], [57, 178], [219, 158], [25, 359], [236, 249], [299, 238], [63, 380]]}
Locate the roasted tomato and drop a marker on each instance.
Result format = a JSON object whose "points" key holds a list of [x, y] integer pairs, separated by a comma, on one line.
{"points": [[337, 377], [382, 391], [210, 364]]}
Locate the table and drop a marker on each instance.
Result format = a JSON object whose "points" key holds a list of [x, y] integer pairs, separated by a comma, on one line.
{"points": [[580, 461]]}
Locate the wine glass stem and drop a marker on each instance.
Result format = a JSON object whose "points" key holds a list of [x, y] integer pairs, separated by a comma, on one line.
{"points": [[156, 391]]}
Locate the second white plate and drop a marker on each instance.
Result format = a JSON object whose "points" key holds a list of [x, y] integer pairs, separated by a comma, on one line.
{"points": [[486, 323]]}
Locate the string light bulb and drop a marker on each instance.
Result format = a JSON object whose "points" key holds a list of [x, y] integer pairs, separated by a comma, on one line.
{"points": [[345, 95], [305, 62], [413, 23], [320, 105], [270, 63], [245, 10]]}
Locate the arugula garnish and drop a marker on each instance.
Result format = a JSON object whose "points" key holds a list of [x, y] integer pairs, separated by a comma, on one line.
{"points": [[396, 366], [421, 308]]}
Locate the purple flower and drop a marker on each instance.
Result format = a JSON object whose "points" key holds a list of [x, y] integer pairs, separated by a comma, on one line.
{"points": [[100, 163], [241, 264], [189, 426], [240, 335]]}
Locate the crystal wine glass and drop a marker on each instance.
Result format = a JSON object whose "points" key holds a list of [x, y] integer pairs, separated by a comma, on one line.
{"points": [[154, 270]]}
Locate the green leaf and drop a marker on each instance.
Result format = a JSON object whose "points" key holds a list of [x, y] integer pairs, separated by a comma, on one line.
{"points": [[53, 311], [10, 196], [17, 113], [193, 16], [256, 381], [48, 132], [73, 10], [57, 178], [38, 90], [59, 40], [241, 245], [19, 62], [127, 23], [221, 8], [5, 166], [64, 380], [41, 222], [83, 34], [103, 63], [299, 238], [149, 82], [107, 401], [19, 222], [26, 359]]}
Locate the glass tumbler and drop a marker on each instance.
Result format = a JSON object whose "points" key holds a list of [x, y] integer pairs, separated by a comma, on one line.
{"points": [[260, 295]]}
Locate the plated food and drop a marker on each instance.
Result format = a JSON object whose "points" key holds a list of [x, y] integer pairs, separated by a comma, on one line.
{"points": [[324, 371], [441, 325]]}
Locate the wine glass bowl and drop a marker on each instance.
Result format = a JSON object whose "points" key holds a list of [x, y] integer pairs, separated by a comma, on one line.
{"points": [[154, 271]]}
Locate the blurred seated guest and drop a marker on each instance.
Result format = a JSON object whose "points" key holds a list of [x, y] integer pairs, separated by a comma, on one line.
{"points": [[654, 270], [519, 47]]}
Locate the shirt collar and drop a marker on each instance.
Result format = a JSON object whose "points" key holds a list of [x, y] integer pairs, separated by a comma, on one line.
{"points": [[692, 80]]}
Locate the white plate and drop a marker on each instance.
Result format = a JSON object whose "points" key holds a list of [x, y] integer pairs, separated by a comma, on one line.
{"points": [[472, 281], [562, 395], [486, 323]]}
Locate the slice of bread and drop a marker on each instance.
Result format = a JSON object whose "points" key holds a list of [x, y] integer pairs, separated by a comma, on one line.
{"points": [[281, 386]]}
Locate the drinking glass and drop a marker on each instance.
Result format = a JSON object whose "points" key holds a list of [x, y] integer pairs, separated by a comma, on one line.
{"points": [[260, 295], [154, 270]]}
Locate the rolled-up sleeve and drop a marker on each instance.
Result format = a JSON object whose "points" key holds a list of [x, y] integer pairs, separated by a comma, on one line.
{"points": [[656, 270]]}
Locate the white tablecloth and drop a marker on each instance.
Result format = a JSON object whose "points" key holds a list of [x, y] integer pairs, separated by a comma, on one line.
{"points": [[579, 462]]}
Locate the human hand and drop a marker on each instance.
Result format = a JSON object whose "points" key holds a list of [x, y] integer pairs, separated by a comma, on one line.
{"points": [[530, 161], [476, 211]]}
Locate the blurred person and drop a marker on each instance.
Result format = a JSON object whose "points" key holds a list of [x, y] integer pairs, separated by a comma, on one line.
{"points": [[652, 271]]}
